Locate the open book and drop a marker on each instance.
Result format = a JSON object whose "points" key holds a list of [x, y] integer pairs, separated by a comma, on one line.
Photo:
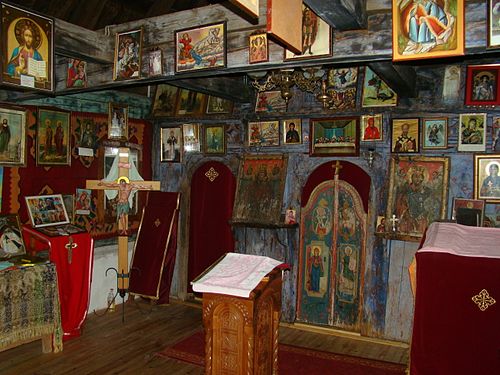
{"points": [[235, 274]]}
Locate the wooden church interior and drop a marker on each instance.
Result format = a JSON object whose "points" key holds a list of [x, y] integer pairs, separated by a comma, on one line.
{"points": [[381, 147]]}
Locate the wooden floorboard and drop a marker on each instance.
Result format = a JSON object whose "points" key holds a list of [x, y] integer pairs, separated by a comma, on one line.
{"points": [[108, 346]]}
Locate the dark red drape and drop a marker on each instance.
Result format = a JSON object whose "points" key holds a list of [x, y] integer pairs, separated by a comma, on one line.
{"points": [[210, 234]]}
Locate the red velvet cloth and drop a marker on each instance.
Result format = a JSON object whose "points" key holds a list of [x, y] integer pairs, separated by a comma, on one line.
{"points": [[74, 274], [349, 172], [210, 234], [153, 262], [292, 360], [451, 335]]}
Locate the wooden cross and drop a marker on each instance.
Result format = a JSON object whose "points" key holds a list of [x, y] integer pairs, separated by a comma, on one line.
{"points": [[394, 221], [125, 187], [337, 167]]}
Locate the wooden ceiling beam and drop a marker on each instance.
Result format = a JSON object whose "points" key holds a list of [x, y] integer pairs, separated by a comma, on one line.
{"points": [[401, 78], [340, 14], [87, 13], [160, 7]]}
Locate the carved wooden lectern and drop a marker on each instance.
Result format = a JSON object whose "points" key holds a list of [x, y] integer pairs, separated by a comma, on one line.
{"points": [[241, 334]]}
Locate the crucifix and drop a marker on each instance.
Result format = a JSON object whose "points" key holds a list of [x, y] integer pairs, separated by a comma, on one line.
{"points": [[394, 222], [337, 168], [125, 187]]}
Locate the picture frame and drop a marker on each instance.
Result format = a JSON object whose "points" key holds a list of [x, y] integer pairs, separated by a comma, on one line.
{"points": [[375, 92], [269, 102], [46, 210], [290, 217], [128, 54], [155, 62], [486, 177], [342, 88], [259, 189], [250, 7], [468, 211], [83, 201], [472, 132], [171, 144], [418, 193], [258, 47], [202, 47], [11, 238], [165, 102], [316, 39], [482, 85], [380, 225], [218, 106], [336, 136], [405, 135], [12, 136], [53, 137], [190, 103], [263, 133], [493, 40], [435, 133], [69, 204], [372, 128], [76, 74], [118, 121], [214, 139], [191, 134], [291, 129], [495, 134], [441, 34], [18, 69]]}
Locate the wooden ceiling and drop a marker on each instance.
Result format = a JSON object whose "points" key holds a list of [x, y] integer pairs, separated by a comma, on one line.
{"points": [[97, 14]]}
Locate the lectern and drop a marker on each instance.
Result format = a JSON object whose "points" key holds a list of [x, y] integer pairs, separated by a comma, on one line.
{"points": [[241, 334]]}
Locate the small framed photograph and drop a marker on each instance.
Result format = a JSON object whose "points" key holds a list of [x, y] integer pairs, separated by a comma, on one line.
{"points": [[263, 133], [377, 93], [482, 85], [316, 37], [292, 131], [258, 50], [270, 101], [468, 211], [53, 137], [46, 210], [191, 133], [405, 135], [171, 144], [83, 201], [472, 132], [201, 47], [27, 45], [216, 105], [76, 76], [334, 136], [118, 121], [214, 140], [495, 134], [380, 228], [88, 133], [486, 177], [69, 204], [435, 133], [190, 103], [11, 239], [290, 217], [12, 136], [155, 62], [493, 24], [128, 52], [372, 128]]}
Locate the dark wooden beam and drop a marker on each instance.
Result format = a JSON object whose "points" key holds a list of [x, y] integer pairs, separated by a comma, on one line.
{"points": [[87, 13], [160, 7], [340, 14], [401, 78], [232, 88]]}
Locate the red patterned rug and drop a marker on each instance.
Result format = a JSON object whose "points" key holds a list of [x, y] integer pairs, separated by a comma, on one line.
{"points": [[292, 360]]}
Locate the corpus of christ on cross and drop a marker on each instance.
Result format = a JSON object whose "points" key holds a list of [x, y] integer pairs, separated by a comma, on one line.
{"points": [[125, 187]]}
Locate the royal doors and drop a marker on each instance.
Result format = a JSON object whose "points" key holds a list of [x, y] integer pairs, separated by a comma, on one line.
{"points": [[332, 248]]}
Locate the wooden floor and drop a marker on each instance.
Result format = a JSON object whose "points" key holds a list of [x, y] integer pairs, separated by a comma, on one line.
{"points": [[108, 346]]}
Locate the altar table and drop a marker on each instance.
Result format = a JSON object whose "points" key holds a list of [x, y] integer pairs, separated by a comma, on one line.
{"points": [[29, 308]]}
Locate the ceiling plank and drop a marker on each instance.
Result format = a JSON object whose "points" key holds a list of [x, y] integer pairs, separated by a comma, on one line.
{"points": [[160, 7], [87, 13], [401, 78], [341, 14]]}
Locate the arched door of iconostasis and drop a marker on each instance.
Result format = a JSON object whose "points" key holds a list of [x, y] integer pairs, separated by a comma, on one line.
{"points": [[332, 247], [212, 195]]}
